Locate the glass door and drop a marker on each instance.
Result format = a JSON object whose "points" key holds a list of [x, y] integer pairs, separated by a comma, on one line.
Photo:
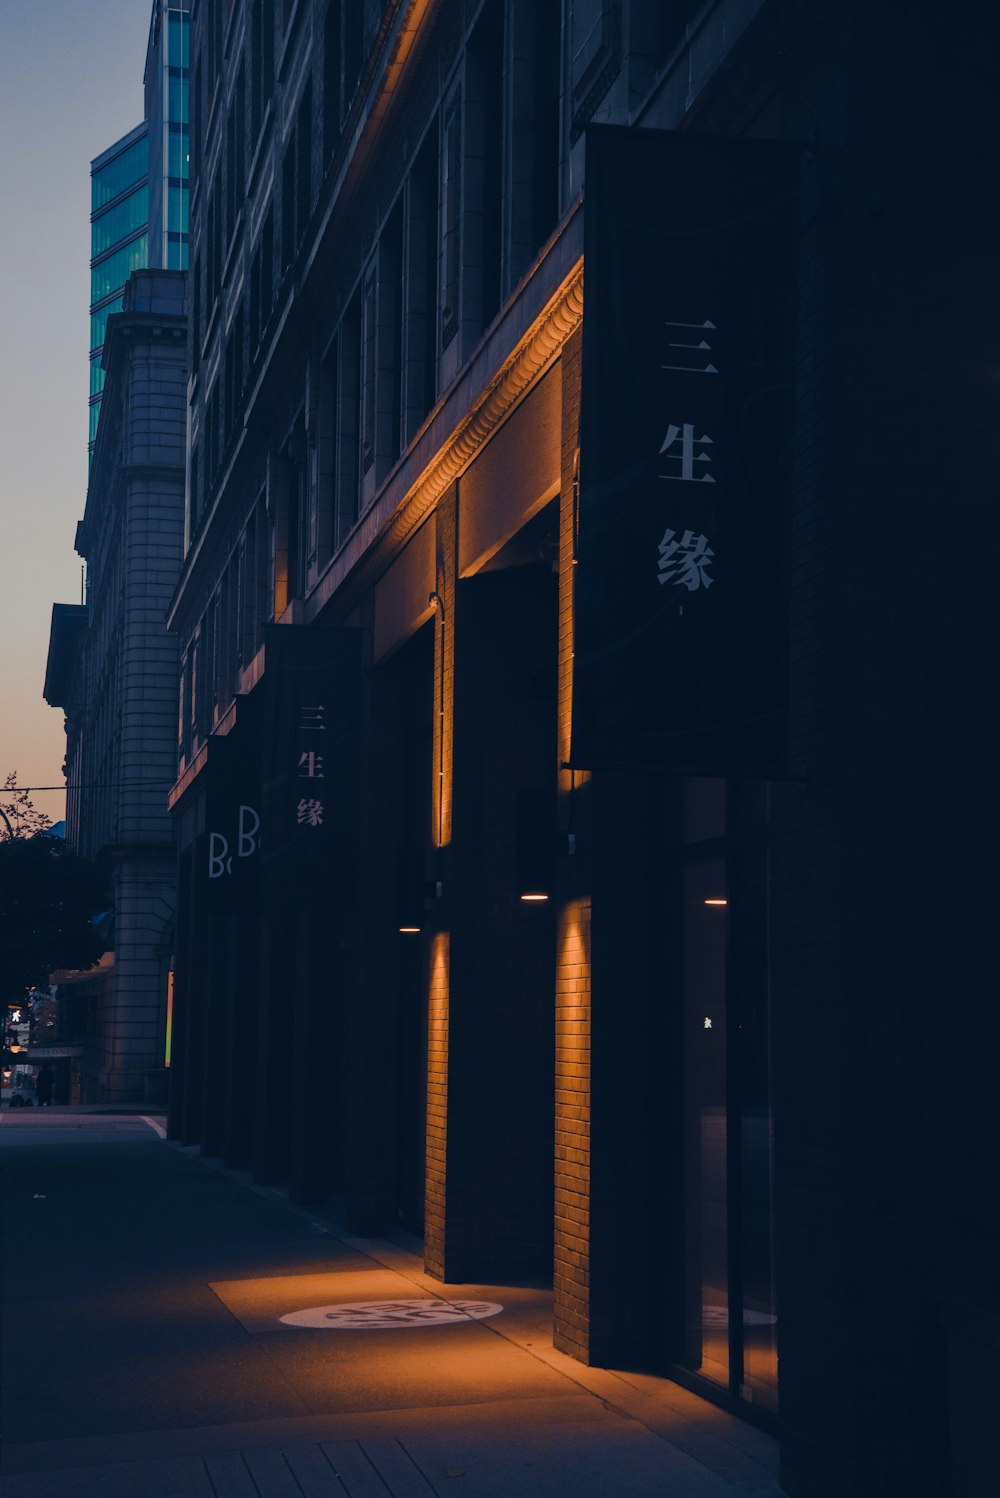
{"points": [[725, 1334]]}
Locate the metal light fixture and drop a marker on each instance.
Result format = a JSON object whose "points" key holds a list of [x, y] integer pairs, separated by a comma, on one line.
{"points": [[535, 864], [415, 891]]}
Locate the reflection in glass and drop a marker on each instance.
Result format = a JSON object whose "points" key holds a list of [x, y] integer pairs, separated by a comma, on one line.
{"points": [[122, 172], [178, 39], [120, 221], [99, 322], [111, 274], [760, 1326], [178, 151], [177, 101], [759, 1380], [706, 1310], [177, 210]]}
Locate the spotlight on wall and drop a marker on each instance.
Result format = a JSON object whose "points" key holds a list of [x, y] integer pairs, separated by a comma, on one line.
{"points": [[535, 846]]}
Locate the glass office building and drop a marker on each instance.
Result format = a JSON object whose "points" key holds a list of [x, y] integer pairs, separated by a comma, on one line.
{"points": [[119, 241], [139, 188], [168, 114]]}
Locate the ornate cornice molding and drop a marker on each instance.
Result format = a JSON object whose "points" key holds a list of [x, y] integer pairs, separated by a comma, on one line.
{"points": [[540, 345]]}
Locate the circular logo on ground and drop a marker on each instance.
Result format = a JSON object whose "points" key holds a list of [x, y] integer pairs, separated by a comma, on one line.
{"points": [[381, 1315]]}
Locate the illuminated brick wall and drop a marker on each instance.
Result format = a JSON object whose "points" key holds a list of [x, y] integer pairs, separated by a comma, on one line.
{"points": [[572, 1081], [440, 962]]}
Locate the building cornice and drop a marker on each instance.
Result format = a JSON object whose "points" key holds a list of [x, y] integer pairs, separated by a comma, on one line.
{"points": [[391, 521]]}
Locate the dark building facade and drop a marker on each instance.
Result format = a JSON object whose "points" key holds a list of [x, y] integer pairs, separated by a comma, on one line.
{"points": [[112, 668], [582, 779]]}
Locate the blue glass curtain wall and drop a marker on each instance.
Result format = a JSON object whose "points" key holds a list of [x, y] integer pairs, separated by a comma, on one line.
{"points": [[120, 222], [123, 172], [99, 321], [111, 274]]}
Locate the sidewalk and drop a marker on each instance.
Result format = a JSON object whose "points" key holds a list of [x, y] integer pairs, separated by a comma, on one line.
{"points": [[396, 1403]]}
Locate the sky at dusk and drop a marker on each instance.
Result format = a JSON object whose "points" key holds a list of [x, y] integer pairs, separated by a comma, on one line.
{"points": [[70, 85]]}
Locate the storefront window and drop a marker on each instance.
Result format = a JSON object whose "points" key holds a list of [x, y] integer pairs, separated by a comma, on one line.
{"points": [[728, 1326]]}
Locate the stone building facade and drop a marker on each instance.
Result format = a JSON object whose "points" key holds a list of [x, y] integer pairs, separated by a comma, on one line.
{"points": [[112, 667], [705, 1041]]}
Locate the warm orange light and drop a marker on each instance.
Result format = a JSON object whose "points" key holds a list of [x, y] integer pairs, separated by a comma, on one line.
{"points": [[716, 902]]}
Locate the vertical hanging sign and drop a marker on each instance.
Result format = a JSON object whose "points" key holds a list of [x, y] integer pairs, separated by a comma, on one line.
{"points": [[682, 573], [310, 792]]}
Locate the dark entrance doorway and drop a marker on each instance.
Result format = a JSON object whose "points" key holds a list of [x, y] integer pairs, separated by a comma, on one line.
{"points": [[722, 1336], [410, 676]]}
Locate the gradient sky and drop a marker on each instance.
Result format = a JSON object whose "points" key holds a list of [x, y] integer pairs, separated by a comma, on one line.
{"points": [[70, 85]]}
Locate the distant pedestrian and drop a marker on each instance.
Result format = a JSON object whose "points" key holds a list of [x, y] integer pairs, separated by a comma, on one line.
{"points": [[43, 1086]]}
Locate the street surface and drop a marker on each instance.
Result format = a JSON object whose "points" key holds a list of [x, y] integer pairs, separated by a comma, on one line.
{"points": [[144, 1354]]}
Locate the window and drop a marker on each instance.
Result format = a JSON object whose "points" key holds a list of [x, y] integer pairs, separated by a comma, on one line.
{"points": [[389, 363], [349, 390], [288, 205], [119, 174], [420, 286], [303, 164], [332, 58], [368, 372], [483, 164], [111, 274], [725, 1325], [534, 133], [451, 222], [261, 62], [117, 223]]}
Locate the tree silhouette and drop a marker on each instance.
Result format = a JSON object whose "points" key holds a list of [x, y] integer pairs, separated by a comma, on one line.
{"points": [[48, 896], [19, 817]]}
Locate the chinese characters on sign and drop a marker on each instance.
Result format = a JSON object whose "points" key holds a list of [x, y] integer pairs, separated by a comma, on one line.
{"points": [[685, 562], [685, 450], [312, 722], [311, 697]]}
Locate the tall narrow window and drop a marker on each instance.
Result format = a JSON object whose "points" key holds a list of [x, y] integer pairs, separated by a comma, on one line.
{"points": [[533, 168], [389, 395], [303, 166], [420, 287], [349, 390], [256, 80], [451, 193], [353, 47], [368, 370], [239, 153], [329, 376], [267, 267], [288, 205], [256, 317], [726, 1332], [481, 254], [332, 62]]}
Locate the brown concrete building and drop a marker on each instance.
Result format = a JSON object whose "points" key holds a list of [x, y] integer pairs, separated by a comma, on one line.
{"points": [[574, 868]]}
